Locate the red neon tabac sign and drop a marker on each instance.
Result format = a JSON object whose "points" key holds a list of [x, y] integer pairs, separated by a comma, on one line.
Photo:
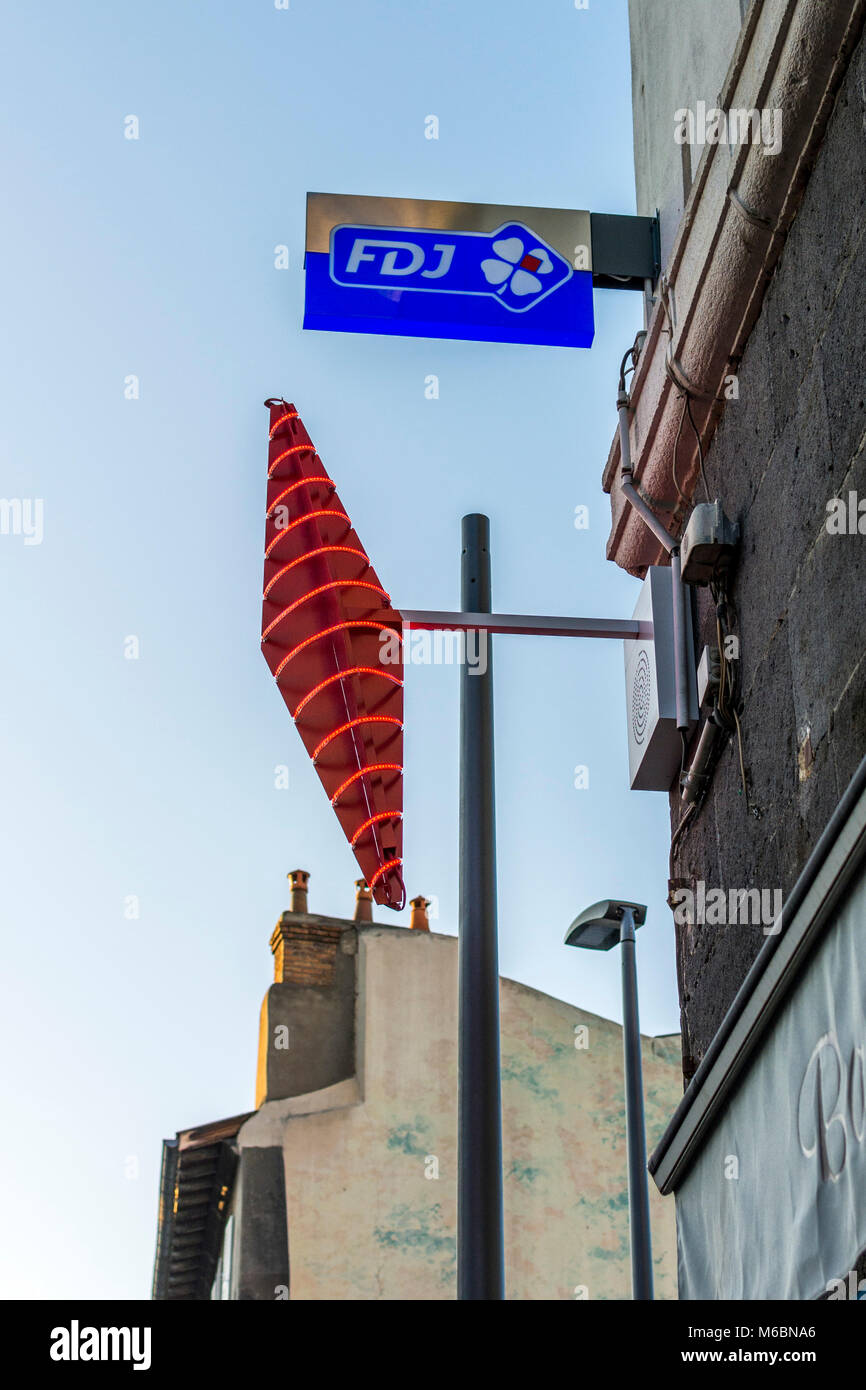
{"points": [[324, 613]]}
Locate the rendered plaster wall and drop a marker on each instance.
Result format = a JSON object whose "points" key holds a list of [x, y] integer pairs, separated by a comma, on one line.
{"points": [[680, 51], [792, 441], [371, 1164]]}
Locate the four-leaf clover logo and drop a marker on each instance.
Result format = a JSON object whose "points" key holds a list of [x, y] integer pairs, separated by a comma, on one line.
{"points": [[517, 269]]}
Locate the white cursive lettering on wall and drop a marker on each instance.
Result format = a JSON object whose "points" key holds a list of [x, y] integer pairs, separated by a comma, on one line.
{"points": [[831, 1107]]}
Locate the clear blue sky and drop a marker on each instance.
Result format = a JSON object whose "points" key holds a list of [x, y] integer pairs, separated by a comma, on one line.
{"points": [[155, 777]]}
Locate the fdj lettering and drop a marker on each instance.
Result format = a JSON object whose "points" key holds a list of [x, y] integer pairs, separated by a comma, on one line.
{"points": [[511, 265], [365, 249]]}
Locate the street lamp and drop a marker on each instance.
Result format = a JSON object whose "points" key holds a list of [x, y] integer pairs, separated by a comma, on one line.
{"points": [[599, 928]]}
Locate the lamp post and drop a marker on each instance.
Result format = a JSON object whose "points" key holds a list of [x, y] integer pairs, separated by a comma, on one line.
{"points": [[480, 1252], [600, 928]]}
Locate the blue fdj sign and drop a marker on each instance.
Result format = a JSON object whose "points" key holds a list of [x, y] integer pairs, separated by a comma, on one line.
{"points": [[506, 285], [510, 266]]}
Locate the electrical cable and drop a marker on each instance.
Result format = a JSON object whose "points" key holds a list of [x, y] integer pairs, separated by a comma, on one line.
{"points": [[680, 493], [750, 807], [727, 702], [622, 371], [633, 353], [700, 446], [723, 674], [675, 838]]}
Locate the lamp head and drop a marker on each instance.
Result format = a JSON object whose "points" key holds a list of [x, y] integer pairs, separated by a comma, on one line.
{"points": [[598, 927]]}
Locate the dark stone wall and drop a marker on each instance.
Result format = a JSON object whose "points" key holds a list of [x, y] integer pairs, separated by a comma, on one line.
{"points": [[261, 1239], [792, 441]]}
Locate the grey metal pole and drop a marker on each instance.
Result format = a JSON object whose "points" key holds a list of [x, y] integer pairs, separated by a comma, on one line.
{"points": [[638, 1186], [480, 1253]]}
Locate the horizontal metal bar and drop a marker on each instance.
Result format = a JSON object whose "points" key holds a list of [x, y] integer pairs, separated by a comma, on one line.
{"points": [[527, 625]]}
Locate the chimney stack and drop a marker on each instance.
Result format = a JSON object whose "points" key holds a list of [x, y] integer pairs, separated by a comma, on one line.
{"points": [[418, 920], [363, 901], [298, 880], [307, 1028]]}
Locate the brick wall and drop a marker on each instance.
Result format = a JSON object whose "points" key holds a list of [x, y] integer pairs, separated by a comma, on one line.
{"points": [[305, 952]]}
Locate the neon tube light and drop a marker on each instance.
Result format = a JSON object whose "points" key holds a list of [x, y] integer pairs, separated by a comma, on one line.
{"points": [[321, 550], [349, 671], [322, 589], [299, 521], [353, 724], [382, 815], [362, 772]]}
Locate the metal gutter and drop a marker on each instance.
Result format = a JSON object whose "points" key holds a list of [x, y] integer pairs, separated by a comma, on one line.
{"points": [[791, 55], [836, 858]]}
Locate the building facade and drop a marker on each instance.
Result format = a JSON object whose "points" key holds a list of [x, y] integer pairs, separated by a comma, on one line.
{"points": [[747, 389], [341, 1185]]}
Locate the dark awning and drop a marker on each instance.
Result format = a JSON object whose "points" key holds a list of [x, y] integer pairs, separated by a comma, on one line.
{"points": [[198, 1171]]}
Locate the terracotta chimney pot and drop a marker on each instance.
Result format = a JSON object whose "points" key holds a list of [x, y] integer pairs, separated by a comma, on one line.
{"points": [[363, 901], [298, 880], [418, 920]]}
